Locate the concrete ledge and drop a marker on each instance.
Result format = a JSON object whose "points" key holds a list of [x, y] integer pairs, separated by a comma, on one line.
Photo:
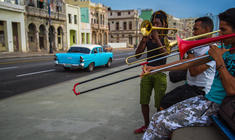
{"points": [[198, 133]]}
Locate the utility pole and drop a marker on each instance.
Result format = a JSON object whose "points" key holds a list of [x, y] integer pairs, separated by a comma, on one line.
{"points": [[50, 29]]}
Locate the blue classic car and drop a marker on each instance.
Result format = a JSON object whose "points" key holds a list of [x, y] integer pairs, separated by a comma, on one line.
{"points": [[84, 56]]}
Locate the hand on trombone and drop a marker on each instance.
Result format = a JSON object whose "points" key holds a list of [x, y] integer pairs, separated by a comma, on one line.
{"points": [[147, 69], [152, 36], [216, 52]]}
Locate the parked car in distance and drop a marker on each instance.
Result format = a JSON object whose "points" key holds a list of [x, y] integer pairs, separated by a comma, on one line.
{"points": [[107, 48], [85, 56]]}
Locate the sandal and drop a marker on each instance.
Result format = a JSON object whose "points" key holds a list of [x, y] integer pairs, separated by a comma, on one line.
{"points": [[140, 130]]}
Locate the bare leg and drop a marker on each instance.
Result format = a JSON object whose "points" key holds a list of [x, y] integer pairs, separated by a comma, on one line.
{"points": [[145, 113]]}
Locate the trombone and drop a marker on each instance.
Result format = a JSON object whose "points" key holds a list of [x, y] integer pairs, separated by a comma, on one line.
{"points": [[146, 28], [168, 46], [183, 45]]}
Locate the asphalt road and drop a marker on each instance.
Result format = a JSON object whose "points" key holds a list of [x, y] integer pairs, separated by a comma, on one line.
{"points": [[19, 75]]}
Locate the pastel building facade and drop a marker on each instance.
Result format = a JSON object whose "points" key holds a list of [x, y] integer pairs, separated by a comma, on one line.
{"points": [[73, 25], [12, 26]]}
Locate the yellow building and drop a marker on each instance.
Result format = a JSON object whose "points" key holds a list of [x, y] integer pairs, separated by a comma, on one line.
{"points": [[94, 22], [12, 26], [73, 24]]}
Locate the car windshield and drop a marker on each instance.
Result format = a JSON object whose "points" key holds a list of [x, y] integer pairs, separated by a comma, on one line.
{"points": [[79, 50]]}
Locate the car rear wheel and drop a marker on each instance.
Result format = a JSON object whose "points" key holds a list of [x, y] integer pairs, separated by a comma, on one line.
{"points": [[90, 67], [109, 63]]}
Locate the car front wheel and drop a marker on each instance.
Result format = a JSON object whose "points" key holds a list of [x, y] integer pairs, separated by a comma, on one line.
{"points": [[91, 67]]}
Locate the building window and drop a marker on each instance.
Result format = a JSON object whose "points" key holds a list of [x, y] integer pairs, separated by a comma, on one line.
{"points": [[70, 18], [111, 13], [117, 25], [75, 19], [40, 4], [87, 38], [74, 40], [129, 12], [124, 25], [101, 19], [117, 38], [59, 40], [119, 13], [31, 3], [130, 25], [2, 36], [31, 39], [83, 38], [130, 40], [58, 8]]}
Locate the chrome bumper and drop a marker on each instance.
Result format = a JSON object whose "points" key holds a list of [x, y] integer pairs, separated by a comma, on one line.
{"points": [[69, 65]]}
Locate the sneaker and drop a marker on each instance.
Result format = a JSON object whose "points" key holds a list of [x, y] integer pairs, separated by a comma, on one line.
{"points": [[140, 130]]}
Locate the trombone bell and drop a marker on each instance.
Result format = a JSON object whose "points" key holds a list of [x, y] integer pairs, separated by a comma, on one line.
{"points": [[184, 46], [146, 28]]}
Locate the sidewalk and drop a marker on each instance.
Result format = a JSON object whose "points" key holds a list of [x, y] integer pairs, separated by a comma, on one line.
{"points": [[30, 54], [21, 54], [55, 113]]}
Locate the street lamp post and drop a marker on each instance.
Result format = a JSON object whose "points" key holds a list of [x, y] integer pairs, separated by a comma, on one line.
{"points": [[136, 34], [137, 22], [50, 29]]}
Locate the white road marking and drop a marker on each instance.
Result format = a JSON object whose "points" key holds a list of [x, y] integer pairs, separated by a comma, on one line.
{"points": [[121, 54], [26, 74], [119, 59], [7, 68]]}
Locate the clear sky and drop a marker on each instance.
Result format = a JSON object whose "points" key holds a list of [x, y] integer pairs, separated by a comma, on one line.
{"points": [[176, 8]]}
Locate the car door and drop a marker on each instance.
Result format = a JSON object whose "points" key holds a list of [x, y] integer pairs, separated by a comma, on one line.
{"points": [[95, 58], [102, 56]]}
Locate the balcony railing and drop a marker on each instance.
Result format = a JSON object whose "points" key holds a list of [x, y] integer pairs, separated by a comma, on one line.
{"points": [[38, 12], [99, 26], [8, 5]]}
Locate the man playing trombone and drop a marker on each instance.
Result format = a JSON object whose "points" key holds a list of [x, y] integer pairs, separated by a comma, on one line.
{"points": [[199, 78], [195, 111], [158, 80]]}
